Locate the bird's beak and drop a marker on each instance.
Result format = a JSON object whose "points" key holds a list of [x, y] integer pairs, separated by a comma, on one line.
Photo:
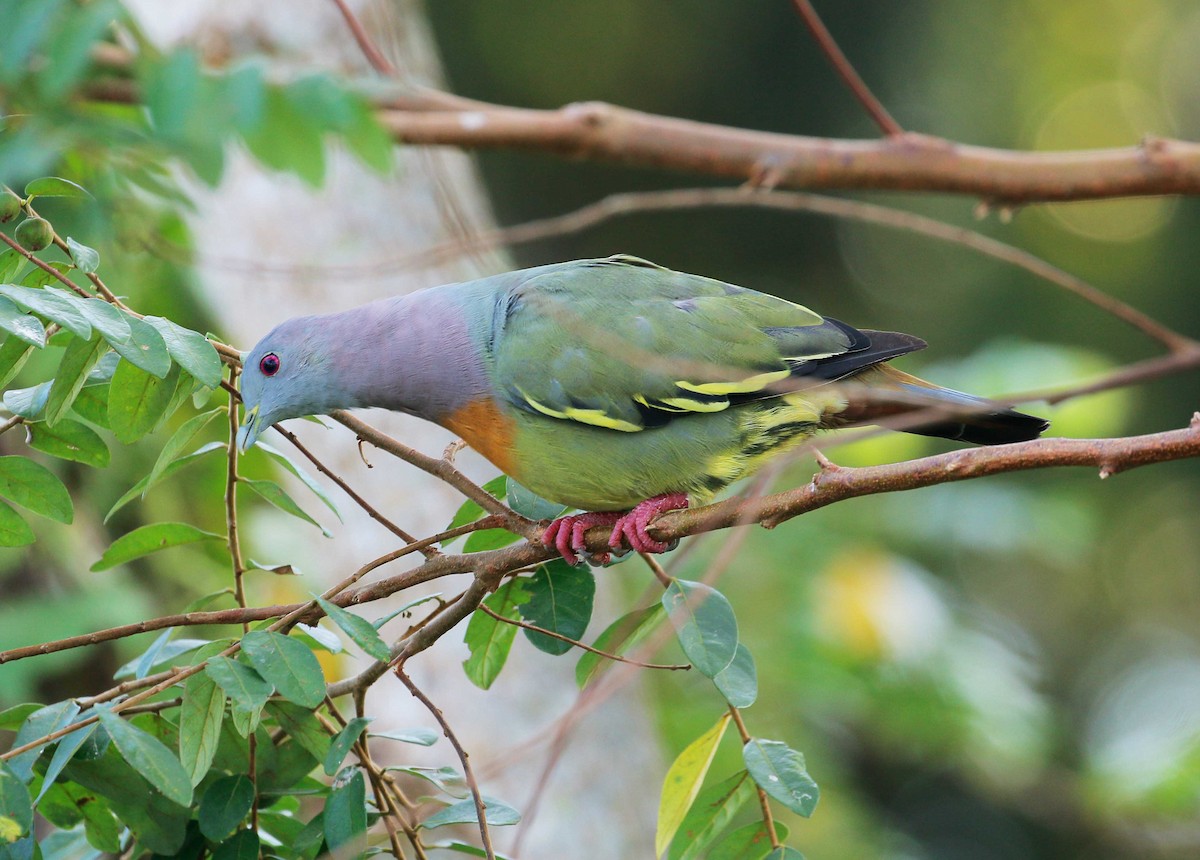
{"points": [[248, 433]]}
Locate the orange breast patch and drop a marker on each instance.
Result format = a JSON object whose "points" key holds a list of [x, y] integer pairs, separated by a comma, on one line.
{"points": [[482, 426]]}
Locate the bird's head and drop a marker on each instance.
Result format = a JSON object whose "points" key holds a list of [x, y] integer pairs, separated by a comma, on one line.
{"points": [[286, 375]]}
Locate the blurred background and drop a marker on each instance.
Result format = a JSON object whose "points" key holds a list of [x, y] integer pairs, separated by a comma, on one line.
{"points": [[997, 669]]}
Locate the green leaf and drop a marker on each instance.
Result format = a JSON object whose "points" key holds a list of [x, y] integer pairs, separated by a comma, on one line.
{"points": [[86, 259], [225, 805], [69, 440], [683, 782], [11, 264], [55, 186], [470, 511], [11, 718], [420, 736], [278, 497], [738, 682], [490, 640], [144, 484], [751, 842], [52, 307], [13, 355], [146, 348], [359, 629], [712, 810], [147, 755], [34, 487], [20, 324], [342, 742], [15, 805], [487, 539], [77, 362], [405, 609], [37, 725], [785, 853], [287, 664], [179, 440], [14, 531], [618, 638], [704, 624], [137, 400], [64, 751], [305, 728], [346, 818], [245, 687], [305, 478], [496, 814], [447, 779], [465, 848], [191, 350], [29, 403], [560, 600], [162, 651], [368, 140], [147, 539], [286, 139], [243, 845], [779, 771], [200, 718], [528, 504]]}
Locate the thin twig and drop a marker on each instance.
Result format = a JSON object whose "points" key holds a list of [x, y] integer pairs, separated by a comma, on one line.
{"points": [[374, 56], [438, 468], [763, 801], [480, 806], [845, 70], [616, 657], [371, 511]]}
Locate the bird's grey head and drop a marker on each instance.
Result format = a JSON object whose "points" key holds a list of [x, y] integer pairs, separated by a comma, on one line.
{"points": [[288, 374]]}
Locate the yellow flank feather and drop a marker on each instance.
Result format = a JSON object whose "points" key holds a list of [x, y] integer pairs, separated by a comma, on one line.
{"points": [[745, 386], [594, 417], [686, 404]]}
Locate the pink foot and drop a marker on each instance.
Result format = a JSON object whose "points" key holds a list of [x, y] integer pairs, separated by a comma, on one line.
{"points": [[566, 534], [631, 528]]}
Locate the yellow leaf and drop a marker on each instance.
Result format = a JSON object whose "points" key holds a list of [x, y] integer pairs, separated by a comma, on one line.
{"points": [[10, 830], [683, 782]]}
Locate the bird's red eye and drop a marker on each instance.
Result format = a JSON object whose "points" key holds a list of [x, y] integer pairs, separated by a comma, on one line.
{"points": [[269, 364]]}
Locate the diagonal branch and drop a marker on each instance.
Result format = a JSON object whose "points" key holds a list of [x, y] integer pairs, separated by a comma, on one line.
{"points": [[845, 70]]}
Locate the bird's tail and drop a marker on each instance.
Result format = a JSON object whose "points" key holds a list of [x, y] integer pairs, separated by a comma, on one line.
{"points": [[894, 394]]}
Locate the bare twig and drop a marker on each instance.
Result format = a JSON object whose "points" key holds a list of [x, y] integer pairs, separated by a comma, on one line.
{"points": [[480, 806], [615, 657], [371, 511], [442, 469], [374, 56], [845, 70]]}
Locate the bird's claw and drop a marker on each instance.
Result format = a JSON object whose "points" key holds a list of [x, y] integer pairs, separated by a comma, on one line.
{"points": [[630, 529], [568, 535]]}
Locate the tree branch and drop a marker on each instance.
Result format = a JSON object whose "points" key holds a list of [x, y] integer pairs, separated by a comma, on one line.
{"points": [[909, 162], [845, 70]]}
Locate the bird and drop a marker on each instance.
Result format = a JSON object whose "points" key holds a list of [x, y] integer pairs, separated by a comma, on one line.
{"points": [[615, 387]]}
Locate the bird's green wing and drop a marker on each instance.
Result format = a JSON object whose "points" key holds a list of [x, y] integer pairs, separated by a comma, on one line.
{"points": [[624, 344]]}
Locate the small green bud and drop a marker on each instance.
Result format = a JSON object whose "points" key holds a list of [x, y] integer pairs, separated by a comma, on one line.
{"points": [[35, 233], [10, 206]]}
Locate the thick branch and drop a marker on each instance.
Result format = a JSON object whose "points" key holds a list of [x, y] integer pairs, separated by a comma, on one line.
{"points": [[905, 162]]}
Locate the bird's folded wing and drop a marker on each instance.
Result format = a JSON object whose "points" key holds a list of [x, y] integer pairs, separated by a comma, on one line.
{"points": [[625, 345]]}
